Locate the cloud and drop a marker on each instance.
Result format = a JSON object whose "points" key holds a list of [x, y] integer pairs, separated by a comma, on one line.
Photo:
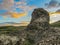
{"points": [[23, 5], [54, 18], [53, 13], [1, 6], [14, 14], [59, 4], [4, 17], [58, 10], [18, 15], [12, 7], [24, 8], [24, 23], [6, 4], [52, 4]]}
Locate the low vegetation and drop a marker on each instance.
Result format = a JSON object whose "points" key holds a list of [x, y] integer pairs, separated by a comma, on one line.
{"points": [[10, 28], [56, 24]]}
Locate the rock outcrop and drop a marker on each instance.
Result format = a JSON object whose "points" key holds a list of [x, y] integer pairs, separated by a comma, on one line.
{"points": [[40, 20]]}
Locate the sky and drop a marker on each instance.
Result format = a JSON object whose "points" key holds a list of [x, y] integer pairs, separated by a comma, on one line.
{"points": [[21, 10]]}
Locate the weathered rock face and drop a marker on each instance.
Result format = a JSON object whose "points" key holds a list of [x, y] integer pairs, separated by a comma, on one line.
{"points": [[40, 31], [40, 20], [38, 25]]}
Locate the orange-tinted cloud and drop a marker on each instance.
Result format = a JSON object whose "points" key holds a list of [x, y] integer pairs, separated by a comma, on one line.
{"points": [[54, 16], [52, 13], [18, 15], [51, 21], [12, 6], [4, 16], [24, 23]]}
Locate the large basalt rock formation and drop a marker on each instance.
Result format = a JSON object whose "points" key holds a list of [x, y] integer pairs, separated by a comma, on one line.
{"points": [[40, 20]]}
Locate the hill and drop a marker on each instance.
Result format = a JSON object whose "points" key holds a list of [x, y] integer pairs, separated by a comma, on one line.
{"points": [[56, 24], [12, 28], [14, 24]]}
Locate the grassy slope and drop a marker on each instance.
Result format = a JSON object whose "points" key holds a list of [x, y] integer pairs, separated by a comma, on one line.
{"points": [[10, 28], [56, 24]]}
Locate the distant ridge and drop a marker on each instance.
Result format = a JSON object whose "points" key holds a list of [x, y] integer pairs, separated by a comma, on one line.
{"points": [[56, 24], [13, 24]]}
